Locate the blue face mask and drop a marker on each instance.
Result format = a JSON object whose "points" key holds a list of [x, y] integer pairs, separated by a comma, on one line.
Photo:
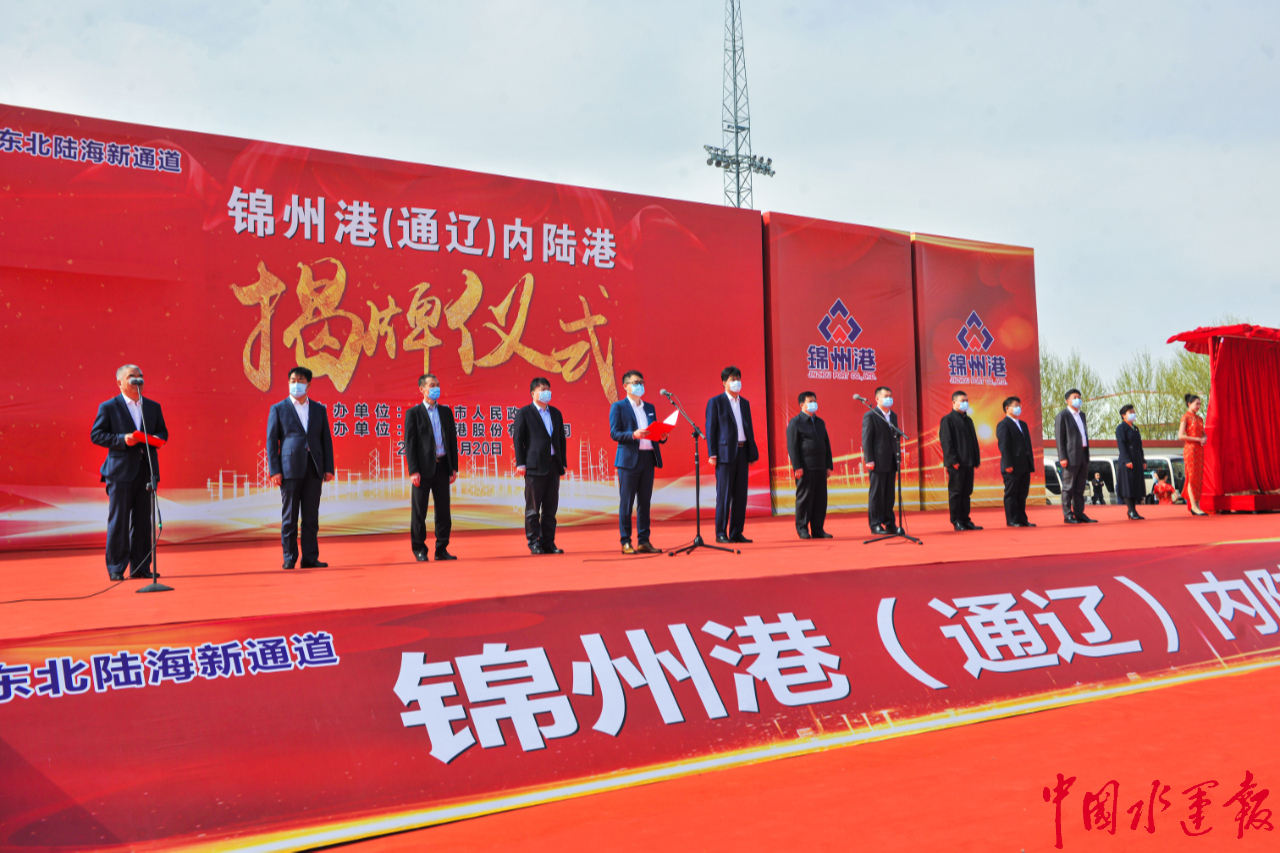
{"points": [[887, 402], [638, 390], [1015, 410], [433, 393], [811, 407], [735, 385], [1076, 402], [544, 396], [297, 389], [1131, 416], [964, 405]]}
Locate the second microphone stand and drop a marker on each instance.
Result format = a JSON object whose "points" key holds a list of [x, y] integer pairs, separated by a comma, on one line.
{"points": [[697, 488], [157, 523], [900, 526]]}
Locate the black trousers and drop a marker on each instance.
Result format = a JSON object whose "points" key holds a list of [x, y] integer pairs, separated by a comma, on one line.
{"points": [[301, 496], [635, 486], [129, 524], [1074, 481], [1016, 487], [541, 500], [437, 489], [959, 492], [731, 495], [811, 501], [1098, 497], [880, 499]]}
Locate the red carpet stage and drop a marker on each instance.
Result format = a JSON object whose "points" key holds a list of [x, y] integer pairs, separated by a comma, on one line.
{"points": [[649, 674]]}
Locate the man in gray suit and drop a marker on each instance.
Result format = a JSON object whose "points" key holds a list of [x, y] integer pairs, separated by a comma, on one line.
{"points": [[1072, 433]]}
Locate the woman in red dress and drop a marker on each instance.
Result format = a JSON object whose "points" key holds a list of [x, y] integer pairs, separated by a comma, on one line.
{"points": [[1191, 432], [1163, 489]]}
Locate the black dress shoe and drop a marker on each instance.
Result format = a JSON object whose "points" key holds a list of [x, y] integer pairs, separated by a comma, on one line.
{"points": [[879, 530], [1086, 519], [536, 549], [740, 539], [969, 525], [442, 554], [116, 576], [551, 550], [1071, 519], [824, 535], [1027, 524], [289, 564], [314, 564], [140, 576], [803, 534], [959, 526], [420, 556], [723, 540]]}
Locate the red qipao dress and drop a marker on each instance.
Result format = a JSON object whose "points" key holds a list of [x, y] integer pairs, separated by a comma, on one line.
{"points": [[1193, 457]]}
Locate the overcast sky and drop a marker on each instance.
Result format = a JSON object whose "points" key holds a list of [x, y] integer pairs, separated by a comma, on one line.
{"points": [[1134, 145]]}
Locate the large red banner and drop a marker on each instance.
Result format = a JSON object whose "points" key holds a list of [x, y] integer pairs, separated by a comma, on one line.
{"points": [[216, 264], [287, 732], [977, 332], [840, 321]]}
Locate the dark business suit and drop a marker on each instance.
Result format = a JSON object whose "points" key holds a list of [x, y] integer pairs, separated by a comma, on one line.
{"points": [[303, 457], [880, 446], [1073, 448], [127, 471], [635, 467], [960, 456], [1014, 440], [733, 460], [434, 470], [1131, 486], [809, 449], [542, 455]]}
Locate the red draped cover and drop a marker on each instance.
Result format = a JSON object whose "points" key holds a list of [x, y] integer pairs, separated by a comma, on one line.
{"points": [[1242, 454]]}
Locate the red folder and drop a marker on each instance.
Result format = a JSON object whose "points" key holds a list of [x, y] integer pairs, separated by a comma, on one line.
{"points": [[658, 431], [153, 440]]}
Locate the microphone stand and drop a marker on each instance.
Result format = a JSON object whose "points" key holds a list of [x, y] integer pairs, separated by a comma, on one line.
{"points": [[900, 528], [157, 523], [697, 488]]}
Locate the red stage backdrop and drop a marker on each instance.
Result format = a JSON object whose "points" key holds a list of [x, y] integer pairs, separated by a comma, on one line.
{"points": [[298, 731], [977, 332], [839, 314], [216, 264]]}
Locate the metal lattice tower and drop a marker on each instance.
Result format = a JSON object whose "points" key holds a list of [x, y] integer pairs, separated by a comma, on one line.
{"points": [[734, 155]]}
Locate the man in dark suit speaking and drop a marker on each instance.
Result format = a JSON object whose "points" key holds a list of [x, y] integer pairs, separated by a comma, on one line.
{"points": [[431, 454], [127, 471], [1016, 463], [300, 461], [731, 446], [809, 449], [1071, 431], [538, 433], [880, 456], [636, 461]]}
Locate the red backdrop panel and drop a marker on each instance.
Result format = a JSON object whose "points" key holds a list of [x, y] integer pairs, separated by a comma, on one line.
{"points": [[840, 323], [196, 257], [977, 332], [1243, 420]]}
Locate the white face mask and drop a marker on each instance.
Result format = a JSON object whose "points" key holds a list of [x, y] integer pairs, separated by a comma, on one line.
{"points": [[297, 390], [544, 396], [735, 385], [811, 407], [1131, 416]]}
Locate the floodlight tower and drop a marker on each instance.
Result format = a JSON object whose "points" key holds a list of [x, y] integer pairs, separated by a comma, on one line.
{"points": [[734, 155]]}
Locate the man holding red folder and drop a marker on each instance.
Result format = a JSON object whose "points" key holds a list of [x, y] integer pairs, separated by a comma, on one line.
{"points": [[127, 470], [637, 459]]}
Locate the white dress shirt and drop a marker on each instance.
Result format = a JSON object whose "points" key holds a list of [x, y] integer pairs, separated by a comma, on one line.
{"points": [[304, 412], [433, 415], [135, 410], [736, 404], [545, 412], [642, 421], [1084, 434]]}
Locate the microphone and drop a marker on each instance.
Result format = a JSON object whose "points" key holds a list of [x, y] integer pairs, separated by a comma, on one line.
{"points": [[664, 392], [135, 380], [860, 398]]}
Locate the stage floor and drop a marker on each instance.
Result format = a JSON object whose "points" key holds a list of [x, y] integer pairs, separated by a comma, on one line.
{"points": [[48, 592]]}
